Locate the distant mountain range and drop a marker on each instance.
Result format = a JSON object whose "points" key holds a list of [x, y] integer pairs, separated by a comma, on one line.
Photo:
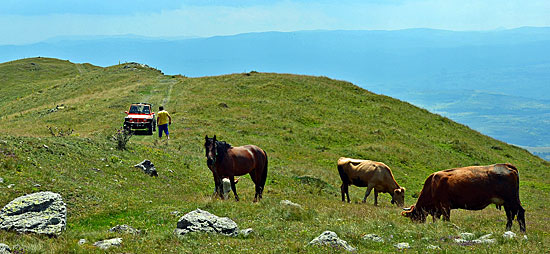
{"points": [[496, 82]]}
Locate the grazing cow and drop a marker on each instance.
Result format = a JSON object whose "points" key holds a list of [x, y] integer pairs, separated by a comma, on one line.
{"points": [[370, 174], [470, 188]]}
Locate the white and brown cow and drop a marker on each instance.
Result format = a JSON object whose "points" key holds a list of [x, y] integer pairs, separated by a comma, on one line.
{"points": [[470, 188], [371, 174]]}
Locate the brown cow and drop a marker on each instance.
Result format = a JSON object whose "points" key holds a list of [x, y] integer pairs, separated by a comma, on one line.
{"points": [[370, 174], [470, 188]]}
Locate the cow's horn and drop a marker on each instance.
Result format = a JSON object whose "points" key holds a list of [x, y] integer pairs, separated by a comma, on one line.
{"points": [[406, 208]]}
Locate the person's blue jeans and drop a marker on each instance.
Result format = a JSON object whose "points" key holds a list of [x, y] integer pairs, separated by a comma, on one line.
{"points": [[163, 128]]}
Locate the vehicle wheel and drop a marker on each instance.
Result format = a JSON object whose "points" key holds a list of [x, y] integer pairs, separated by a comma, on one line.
{"points": [[150, 129]]}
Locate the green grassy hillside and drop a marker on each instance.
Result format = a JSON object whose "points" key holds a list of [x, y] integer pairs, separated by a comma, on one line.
{"points": [[303, 123]]}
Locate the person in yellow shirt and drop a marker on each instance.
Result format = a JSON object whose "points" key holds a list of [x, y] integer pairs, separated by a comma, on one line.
{"points": [[163, 120]]}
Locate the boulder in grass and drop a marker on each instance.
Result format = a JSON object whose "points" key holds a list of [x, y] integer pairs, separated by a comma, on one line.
{"points": [[203, 221], [148, 167], [40, 213], [330, 238]]}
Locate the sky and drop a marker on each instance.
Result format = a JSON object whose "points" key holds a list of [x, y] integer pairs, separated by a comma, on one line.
{"points": [[31, 21]]}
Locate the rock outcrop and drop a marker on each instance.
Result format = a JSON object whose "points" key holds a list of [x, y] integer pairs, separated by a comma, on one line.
{"points": [[40, 213]]}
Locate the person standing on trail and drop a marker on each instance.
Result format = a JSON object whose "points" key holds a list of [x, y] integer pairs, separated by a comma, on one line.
{"points": [[163, 120]]}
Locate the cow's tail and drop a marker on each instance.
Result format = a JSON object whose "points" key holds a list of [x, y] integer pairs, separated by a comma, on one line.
{"points": [[343, 175]]}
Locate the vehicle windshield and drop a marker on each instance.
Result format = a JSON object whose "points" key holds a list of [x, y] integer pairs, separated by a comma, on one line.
{"points": [[140, 109]]}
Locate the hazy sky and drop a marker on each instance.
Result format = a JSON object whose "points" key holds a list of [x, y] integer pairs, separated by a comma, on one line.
{"points": [[28, 21]]}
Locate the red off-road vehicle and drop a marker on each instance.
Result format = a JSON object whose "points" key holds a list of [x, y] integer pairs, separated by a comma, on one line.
{"points": [[140, 117]]}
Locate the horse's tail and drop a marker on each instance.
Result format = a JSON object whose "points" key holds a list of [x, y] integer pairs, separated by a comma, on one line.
{"points": [[264, 173]]}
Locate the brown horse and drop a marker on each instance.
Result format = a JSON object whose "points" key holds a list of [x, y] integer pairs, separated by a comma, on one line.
{"points": [[226, 161]]}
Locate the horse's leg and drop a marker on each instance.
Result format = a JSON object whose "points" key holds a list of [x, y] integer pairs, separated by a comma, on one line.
{"points": [[232, 180], [256, 181], [217, 185]]}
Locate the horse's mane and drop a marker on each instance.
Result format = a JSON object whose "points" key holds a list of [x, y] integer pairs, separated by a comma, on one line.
{"points": [[222, 148]]}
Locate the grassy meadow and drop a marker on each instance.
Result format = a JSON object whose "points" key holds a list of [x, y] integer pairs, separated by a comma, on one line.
{"points": [[304, 124]]}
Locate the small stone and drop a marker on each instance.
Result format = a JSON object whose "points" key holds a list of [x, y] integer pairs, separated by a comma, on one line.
{"points": [[374, 238], [4, 249], [331, 239], [433, 247], [148, 167], [402, 246], [124, 229], [96, 169], [509, 235], [37, 185], [45, 146], [82, 241], [246, 232], [176, 213], [1, 180], [11, 186], [290, 203], [525, 237], [106, 244]]}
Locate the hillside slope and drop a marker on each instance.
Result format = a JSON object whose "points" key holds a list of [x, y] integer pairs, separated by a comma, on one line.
{"points": [[304, 123]]}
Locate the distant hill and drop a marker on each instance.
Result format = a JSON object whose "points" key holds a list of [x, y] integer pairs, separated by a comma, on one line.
{"points": [[424, 66], [304, 123]]}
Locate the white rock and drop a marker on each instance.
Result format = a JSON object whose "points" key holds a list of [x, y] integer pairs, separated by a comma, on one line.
{"points": [[199, 220], [1, 180], [374, 238], [4, 249], [106, 244], [509, 235], [525, 237], [290, 203], [40, 213], [433, 247], [402, 246], [330, 238], [82, 241], [246, 232]]}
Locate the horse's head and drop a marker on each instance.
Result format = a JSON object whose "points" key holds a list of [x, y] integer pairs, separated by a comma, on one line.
{"points": [[211, 150]]}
